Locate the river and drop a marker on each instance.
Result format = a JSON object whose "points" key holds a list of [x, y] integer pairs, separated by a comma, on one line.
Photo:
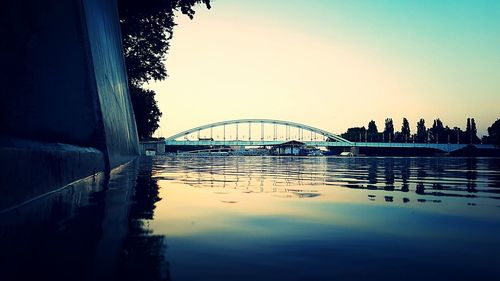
{"points": [[264, 218]]}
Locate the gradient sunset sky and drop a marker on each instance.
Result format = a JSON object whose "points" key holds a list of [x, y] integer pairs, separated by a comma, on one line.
{"points": [[334, 64]]}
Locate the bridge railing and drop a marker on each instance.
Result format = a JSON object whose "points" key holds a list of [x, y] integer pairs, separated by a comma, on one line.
{"points": [[447, 147]]}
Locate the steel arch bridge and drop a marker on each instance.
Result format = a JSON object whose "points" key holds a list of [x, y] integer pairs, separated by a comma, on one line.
{"points": [[328, 137]]}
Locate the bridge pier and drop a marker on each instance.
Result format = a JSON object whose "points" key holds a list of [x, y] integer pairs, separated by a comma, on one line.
{"points": [[149, 146]]}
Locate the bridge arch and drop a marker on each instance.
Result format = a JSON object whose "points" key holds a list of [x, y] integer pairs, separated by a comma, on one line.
{"points": [[327, 134]]}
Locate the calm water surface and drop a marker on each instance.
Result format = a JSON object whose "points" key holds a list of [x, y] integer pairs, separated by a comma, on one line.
{"points": [[264, 218]]}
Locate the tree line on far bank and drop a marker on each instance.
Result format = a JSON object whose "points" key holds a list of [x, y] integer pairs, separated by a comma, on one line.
{"points": [[435, 133]]}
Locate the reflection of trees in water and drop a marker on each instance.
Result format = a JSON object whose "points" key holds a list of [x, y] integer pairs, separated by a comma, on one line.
{"points": [[405, 175], [372, 172], [471, 174], [146, 193], [493, 165], [420, 188], [421, 176], [65, 237], [142, 257], [79, 233], [389, 174]]}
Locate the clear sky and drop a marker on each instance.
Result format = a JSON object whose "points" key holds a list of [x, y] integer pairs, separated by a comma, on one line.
{"points": [[334, 64]]}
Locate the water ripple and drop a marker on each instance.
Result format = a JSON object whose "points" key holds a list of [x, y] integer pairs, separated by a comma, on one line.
{"points": [[434, 177]]}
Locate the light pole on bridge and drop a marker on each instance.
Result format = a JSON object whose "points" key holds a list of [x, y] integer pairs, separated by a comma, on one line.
{"points": [[261, 131]]}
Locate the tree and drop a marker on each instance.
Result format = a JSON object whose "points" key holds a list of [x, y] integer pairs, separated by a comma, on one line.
{"points": [[456, 135], [372, 131], [146, 111], [372, 127], [146, 28], [405, 130], [356, 134], [421, 131], [471, 132], [468, 131], [388, 130], [493, 133], [437, 132]]}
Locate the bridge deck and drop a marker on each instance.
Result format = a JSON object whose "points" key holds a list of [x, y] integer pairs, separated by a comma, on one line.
{"points": [[444, 147]]}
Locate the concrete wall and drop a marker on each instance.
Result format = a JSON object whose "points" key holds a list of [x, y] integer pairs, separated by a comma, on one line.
{"points": [[63, 82], [111, 80], [47, 90]]}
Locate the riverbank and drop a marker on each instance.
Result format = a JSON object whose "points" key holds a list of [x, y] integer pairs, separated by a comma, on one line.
{"points": [[468, 151]]}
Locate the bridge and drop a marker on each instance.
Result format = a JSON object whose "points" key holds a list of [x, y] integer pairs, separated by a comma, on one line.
{"points": [[269, 132]]}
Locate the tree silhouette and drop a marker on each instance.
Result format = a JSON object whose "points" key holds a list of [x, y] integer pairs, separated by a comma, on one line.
{"points": [[355, 134], [493, 133], [473, 132], [438, 132], [146, 111], [421, 131], [146, 28], [405, 130], [372, 131], [389, 130], [468, 131]]}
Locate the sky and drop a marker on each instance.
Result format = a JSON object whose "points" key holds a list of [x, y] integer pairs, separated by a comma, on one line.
{"points": [[334, 64]]}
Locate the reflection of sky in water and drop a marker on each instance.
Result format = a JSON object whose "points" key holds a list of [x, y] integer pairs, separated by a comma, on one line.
{"points": [[278, 216], [264, 218]]}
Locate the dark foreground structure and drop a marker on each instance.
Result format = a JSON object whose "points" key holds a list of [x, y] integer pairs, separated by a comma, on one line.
{"points": [[65, 111]]}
